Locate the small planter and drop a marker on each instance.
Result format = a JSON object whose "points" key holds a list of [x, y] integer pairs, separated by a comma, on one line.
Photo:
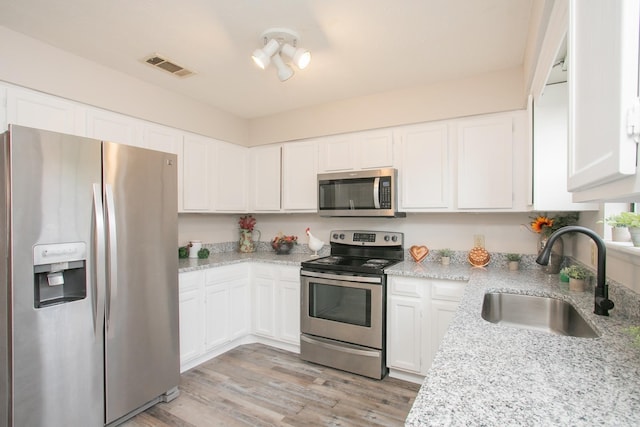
{"points": [[445, 260], [635, 235], [514, 265], [620, 234], [576, 285]]}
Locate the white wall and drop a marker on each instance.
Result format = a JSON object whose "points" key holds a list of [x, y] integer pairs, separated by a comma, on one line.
{"points": [[486, 93], [30, 63], [504, 232]]}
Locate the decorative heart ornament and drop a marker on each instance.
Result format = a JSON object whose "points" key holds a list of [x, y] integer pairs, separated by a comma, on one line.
{"points": [[418, 253]]}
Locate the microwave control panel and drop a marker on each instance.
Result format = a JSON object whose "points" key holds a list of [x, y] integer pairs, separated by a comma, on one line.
{"points": [[385, 192]]}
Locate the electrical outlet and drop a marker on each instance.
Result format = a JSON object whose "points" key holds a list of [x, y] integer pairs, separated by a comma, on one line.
{"points": [[478, 240]]}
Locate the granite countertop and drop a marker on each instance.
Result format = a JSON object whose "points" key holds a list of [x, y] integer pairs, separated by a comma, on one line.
{"points": [[226, 258], [486, 374]]}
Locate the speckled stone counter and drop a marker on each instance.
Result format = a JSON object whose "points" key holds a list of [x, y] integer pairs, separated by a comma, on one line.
{"points": [[226, 258], [489, 375]]}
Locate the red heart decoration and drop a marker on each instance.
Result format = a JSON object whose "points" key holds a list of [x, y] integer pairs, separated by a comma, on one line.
{"points": [[419, 252]]}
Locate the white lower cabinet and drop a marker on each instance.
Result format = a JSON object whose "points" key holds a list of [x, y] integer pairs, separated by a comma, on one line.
{"points": [[192, 314], [214, 311], [419, 312], [223, 307], [276, 302]]}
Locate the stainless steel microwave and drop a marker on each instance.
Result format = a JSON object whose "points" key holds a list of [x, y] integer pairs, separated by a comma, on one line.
{"points": [[361, 193]]}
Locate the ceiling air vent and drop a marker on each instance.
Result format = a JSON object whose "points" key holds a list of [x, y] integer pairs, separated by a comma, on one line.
{"points": [[169, 66]]}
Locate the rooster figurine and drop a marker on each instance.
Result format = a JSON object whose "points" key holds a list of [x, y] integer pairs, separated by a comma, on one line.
{"points": [[315, 244]]}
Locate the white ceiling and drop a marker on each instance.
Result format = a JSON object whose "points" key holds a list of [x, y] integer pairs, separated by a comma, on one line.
{"points": [[359, 47]]}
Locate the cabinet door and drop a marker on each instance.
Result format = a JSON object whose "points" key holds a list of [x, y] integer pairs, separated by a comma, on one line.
{"points": [[375, 149], [231, 177], [38, 110], [191, 303], [162, 138], [239, 306], [550, 135], [3, 108], [216, 315], [289, 304], [442, 313], [196, 152], [191, 325], [603, 85], [404, 333], [264, 305], [266, 178], [485, 163], [337, 153], [108, 126], [425, 167], [299, 176]]}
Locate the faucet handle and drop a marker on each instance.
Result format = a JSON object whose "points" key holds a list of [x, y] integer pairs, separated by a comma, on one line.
{"points": [[602, 306]]}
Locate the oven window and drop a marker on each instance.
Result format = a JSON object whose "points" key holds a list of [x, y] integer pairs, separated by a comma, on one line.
{"points": [[349, 194], [340, 304]]}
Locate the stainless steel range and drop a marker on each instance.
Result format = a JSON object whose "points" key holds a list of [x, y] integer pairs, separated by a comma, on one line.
{"points": [[343, 302]]}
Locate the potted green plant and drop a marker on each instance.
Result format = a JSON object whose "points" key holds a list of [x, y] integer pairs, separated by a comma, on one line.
{"points": [[619, 231], [577, 276], [445, 256], [631, 220], [514, 261]]}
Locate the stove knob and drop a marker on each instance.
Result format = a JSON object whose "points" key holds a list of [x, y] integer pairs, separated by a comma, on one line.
{"points": [[394, 238], [342, 236], [335, 236], [386, 238]]}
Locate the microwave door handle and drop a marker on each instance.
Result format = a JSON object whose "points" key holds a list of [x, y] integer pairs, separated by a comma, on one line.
{"points": [[376, 192]]}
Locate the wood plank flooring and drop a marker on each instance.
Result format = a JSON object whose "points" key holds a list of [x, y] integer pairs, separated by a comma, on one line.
{"points": [[258, 385]]}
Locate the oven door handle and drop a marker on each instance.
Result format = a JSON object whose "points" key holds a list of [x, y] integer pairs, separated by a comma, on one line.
{"points": [[342, 277], [341, 348]]}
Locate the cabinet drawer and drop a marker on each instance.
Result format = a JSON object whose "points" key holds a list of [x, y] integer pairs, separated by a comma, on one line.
{"points": [[225, 274], [190, 281], [407, 287], [447, 290]]}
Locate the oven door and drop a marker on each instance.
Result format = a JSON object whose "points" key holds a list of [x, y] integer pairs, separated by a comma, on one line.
{"points": [[346, 308]]}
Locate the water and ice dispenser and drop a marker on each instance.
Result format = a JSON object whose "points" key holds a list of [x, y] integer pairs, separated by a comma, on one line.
{"points": [[60, 273]]}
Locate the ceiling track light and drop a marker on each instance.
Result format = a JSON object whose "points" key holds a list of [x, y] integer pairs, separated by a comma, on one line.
{"points": [[277, 41]]}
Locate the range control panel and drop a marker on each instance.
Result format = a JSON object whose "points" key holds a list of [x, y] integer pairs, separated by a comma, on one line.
{"points": [[367, 238]]}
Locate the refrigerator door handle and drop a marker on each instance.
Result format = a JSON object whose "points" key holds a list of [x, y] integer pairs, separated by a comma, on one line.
{"points": [[112, 272], [99, 260]]}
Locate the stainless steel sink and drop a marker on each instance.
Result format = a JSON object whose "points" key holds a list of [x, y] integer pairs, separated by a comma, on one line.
{"points": [[546, 314]]}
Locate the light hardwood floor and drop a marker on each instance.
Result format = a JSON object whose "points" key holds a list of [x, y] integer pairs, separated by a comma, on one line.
{"points": [[257, 385]]}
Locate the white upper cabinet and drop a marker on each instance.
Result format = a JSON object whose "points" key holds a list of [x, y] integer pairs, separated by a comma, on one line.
{"points": [[603, 87], [196, 154], [37, 110], [3, 109], [231, 177], [424, 170], [354, 151], [375, 149], [162, 138], [299, 176], [550, 134], [337, 153], [485, 163], [107, 126], [265, 178]]}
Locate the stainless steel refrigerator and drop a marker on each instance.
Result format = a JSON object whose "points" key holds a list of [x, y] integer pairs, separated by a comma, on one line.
{"points": [[89, 280]]}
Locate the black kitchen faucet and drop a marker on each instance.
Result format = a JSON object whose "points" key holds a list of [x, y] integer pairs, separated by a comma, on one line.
{"points": [[602, 302]]}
